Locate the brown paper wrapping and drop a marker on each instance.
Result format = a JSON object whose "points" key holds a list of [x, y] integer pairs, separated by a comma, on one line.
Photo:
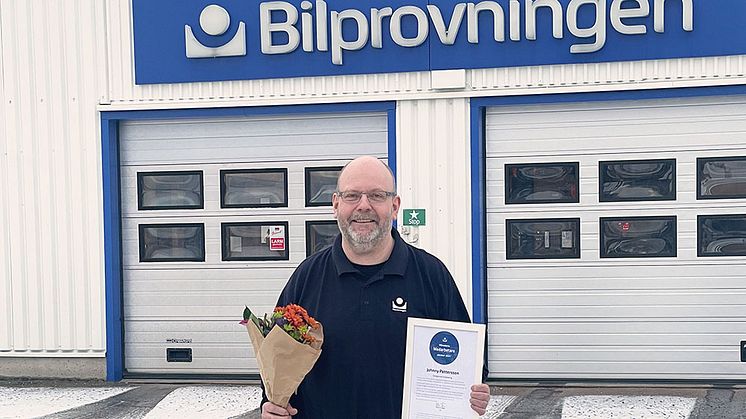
{"points": [[283, 361]]}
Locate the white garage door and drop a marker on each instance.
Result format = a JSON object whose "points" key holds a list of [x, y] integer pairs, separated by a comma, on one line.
{"points": [[216, 214], [617, 239]]}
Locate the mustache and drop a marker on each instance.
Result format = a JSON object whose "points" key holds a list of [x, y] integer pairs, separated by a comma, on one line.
{"points": [[364, 217]]}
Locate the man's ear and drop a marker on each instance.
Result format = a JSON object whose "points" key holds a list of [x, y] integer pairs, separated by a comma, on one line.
{"points": [[335, 203], [396, 203]]}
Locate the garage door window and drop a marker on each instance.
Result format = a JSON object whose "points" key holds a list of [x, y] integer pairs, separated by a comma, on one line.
{"points": [[721, 178], [320, 235], [638, 180], [721, 235], [254, 188], [543, 239], [321, 182], [170, 190], [541, 183], [255, 241], [636, 237], [172, 242]]}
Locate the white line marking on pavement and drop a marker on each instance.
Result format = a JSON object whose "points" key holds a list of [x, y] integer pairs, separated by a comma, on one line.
{"points": [[39, 401], [638, 407], [497, 406], [207, 402]]}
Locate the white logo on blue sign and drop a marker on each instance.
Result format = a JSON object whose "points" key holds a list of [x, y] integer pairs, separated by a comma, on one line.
{"points": [[444, 348], [299, 38], [214, 21]]}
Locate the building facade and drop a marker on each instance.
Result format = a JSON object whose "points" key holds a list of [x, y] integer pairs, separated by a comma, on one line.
{"points": [[580, 167]]}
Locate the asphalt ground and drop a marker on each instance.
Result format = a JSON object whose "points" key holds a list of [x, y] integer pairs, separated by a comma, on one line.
{"points": [[130, 399]]}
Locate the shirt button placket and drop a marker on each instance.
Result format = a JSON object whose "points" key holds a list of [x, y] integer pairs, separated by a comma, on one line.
{"points": [[365, 310]]}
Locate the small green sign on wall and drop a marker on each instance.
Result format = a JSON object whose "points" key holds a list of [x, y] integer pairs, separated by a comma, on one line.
{"points": [[414, 217]]}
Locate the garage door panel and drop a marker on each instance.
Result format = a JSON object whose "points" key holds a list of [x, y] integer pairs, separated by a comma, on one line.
{"points": [[199, 365], [236, 343], [186, 369], [148, 352], [256, 126], [591, 298], [188, 311], [589, 169], [253, 140], [682, 312], [185, 280], [202, 357], [589, 278], [181, 325], [211, 187], [722, 107], [617, 277], [550, 147], [174, 303], [608, 326], [265, 152], [201, 302], [622, 370], [684, 305], [559, 128], [637, 137], [586, 344], [686, 227], [583, 352], [213, 251]]}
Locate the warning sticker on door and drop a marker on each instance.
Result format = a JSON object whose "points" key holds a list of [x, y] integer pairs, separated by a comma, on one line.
{"points": [[275, 235]]}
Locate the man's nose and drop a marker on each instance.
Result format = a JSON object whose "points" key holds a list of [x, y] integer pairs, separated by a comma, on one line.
{"points": [[364, 202]]}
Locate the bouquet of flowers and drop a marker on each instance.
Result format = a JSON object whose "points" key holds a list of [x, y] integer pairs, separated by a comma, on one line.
{"points": [[287, 344]]}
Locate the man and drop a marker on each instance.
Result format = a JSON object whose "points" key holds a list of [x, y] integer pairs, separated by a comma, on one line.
{"points": [[362, 289]]}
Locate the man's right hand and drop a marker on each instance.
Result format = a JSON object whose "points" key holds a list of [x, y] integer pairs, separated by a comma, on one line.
{"points": [[273, 411]]}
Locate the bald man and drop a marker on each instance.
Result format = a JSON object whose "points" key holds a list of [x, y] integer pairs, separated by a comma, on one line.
{"points": [[362, 289]]}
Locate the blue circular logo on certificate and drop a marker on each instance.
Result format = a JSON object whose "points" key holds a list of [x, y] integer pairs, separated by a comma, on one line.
{"points": [[444, 348]]}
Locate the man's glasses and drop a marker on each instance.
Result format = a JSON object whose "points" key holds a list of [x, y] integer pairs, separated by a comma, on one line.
{"points": [[353, 197]]}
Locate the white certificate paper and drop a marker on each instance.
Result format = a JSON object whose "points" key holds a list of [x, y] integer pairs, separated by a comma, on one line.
{"points": [[444, 359]]}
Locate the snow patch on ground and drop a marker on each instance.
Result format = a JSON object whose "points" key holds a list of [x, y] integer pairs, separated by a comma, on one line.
{"points": [[497, 406], [648, 407], [207, 402], [40, 401]]}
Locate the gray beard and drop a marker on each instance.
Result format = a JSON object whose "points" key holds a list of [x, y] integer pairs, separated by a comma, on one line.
{"points": [[362, 242]]}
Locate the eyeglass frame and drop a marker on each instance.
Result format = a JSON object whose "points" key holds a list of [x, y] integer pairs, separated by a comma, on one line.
{"points": [[388, 194]]}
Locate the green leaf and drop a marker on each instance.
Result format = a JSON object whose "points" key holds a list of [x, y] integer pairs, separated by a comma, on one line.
{"points": [[248, 315]]}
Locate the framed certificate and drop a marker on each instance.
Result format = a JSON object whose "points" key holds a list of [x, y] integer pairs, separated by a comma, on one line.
{"points": [[444, 359]]}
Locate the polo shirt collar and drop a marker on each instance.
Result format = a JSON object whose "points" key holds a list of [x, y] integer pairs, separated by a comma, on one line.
{"points": [[395, 265]]}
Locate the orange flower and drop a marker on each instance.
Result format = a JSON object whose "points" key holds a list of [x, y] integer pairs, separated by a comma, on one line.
{"points": [[308, 338]]}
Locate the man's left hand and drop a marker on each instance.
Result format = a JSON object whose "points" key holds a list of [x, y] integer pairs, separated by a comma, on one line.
{"points": [[479, 398]]}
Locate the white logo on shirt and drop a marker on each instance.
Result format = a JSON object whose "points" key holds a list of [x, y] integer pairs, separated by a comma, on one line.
{"points": [[399, 304]]}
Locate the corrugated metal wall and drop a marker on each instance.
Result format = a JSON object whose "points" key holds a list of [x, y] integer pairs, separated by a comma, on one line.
{"points": [[51, 271], [681, 72], [433, 171]]}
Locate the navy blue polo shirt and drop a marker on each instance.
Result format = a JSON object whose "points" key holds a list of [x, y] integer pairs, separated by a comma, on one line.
{"points": [[360, 372]]}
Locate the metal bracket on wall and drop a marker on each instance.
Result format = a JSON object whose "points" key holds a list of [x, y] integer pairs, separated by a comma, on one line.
{"points": [[410, 234]]}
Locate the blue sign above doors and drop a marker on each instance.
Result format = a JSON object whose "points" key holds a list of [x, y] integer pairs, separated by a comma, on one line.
{"points": [[201, 40]]}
